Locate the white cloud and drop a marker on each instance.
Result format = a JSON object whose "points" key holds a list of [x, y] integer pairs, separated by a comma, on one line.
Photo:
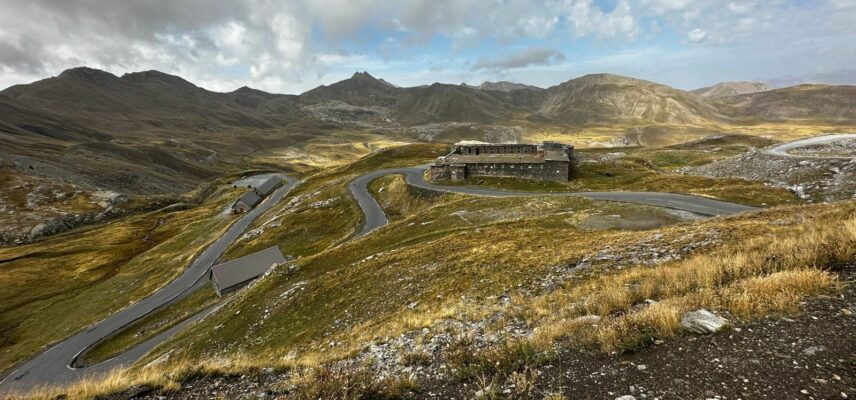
{"points": [[697, 35], [290, 45], [521, 58], [587, 19]]}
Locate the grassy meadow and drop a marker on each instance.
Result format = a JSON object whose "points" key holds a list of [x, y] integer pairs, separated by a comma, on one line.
{"points": [[560, 262], [53, 282]]}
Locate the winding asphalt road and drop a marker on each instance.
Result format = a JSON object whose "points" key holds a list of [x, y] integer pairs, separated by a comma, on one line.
{"points": [[783, 149], [54, 366], [375, 217]]}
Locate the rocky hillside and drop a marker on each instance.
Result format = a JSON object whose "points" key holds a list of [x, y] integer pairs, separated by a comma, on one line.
{"points": [[361, 89], [798, 103], [725, 89]]}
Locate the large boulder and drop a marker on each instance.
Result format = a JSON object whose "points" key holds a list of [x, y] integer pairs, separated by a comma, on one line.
{"points": [[702, 321]]}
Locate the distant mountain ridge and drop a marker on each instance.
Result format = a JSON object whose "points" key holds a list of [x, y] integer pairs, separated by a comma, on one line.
{"points": [[101, 101], [151, 132], [725, 89], [506, 86]]}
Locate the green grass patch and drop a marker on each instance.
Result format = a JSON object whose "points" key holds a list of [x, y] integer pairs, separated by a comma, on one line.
{"points": [[53, 288], [320, 212], [151, 325]]}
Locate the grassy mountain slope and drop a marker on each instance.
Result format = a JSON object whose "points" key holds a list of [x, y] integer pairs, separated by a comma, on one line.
{"points": [[473, 292], [450, 103]]}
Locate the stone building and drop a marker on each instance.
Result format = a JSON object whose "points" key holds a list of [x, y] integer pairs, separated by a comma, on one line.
{"points": [[548, 161]]}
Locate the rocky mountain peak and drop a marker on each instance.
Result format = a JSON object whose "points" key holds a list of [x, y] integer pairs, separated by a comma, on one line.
{"points": [[363, 75]]}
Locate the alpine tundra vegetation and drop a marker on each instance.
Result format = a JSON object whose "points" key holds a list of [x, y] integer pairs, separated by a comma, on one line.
{"points": [[579, 199]]}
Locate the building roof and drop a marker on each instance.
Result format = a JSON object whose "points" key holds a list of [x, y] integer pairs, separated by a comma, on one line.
{"points": [[556, 155], [503, 158], [269, 185], [240, 270], [249, 198], [471, 143]]}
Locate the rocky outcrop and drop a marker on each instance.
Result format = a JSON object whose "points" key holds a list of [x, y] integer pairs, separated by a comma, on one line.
{"points": [[64, 222], [702, 322], [808, 173]]}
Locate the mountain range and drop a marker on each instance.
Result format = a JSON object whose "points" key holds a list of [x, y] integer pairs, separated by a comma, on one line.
{"points": [[94, 101], [152, 132]]}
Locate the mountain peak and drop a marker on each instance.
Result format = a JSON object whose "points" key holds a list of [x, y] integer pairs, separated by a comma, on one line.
{"points": [[362, 75], [86, 73]]}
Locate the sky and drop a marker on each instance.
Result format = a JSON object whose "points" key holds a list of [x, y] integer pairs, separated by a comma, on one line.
{"points": [[294, 45]]}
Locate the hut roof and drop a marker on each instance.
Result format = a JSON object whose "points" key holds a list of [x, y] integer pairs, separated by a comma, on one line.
{"points": [[234, 273], [249, 198]]}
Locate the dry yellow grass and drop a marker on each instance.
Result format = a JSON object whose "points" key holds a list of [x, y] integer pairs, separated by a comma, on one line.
{"points": [[167, 376], [761, 276]]}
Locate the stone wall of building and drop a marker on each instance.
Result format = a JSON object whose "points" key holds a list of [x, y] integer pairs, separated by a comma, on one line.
{"points": [[451, 172], [548, 171]]}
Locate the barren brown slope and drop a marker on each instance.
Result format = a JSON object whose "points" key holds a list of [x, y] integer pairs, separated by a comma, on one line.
{"points": [[361, 89], [611, 98], [452, 103], [724, 89], [804, 102], [145, 100]]}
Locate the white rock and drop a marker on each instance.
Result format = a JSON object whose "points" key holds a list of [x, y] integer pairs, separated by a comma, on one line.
{"points": [[702, 321], [588, 319], [625, 397]]}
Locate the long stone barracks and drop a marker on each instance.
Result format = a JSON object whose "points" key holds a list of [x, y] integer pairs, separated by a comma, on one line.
{"points": [[548, 161]]}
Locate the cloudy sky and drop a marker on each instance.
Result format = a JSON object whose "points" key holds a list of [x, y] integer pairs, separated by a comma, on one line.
{"points": [[291, 46]]}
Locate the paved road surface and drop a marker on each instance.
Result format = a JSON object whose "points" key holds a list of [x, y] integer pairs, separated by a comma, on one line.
{"points": [[375, 217], [783, 149], [53, 365]]}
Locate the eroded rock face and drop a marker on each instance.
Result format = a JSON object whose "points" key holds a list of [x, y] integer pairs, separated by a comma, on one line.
{"points": [[702, 321]]}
